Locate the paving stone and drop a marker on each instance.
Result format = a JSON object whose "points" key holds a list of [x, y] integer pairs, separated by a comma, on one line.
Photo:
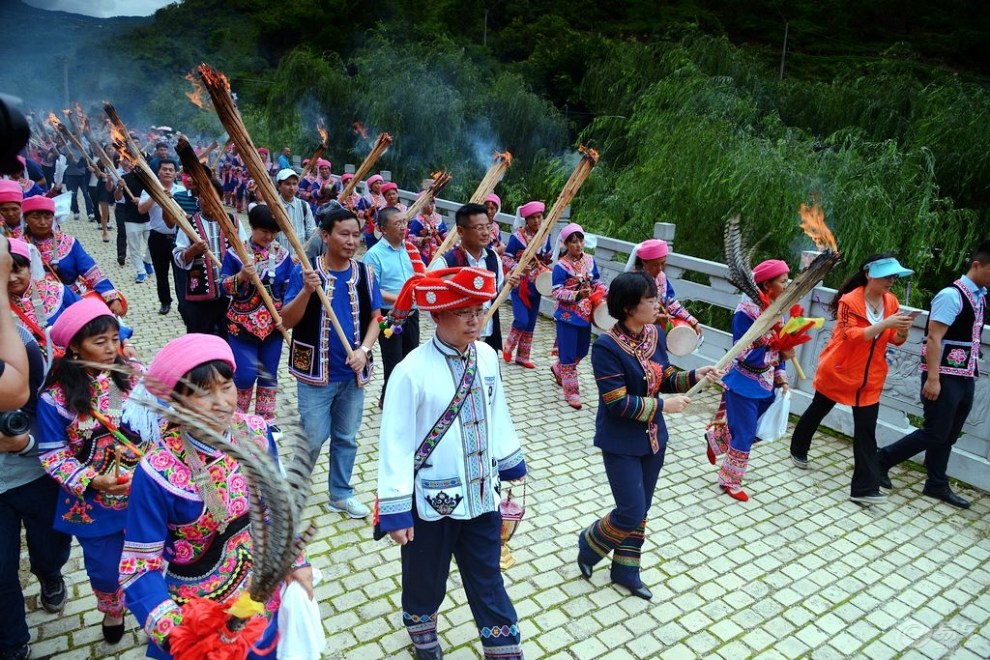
{"points": [[796, 572]]}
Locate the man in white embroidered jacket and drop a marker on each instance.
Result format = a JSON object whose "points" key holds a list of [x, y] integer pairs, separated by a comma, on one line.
{"points": [[449, 507]]}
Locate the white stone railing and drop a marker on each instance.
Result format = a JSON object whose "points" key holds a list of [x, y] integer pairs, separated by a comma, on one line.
{"points": [[970, 460]]}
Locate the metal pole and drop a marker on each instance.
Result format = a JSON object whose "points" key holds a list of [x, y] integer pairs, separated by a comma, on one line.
{"points": [[484, 39], [783, 53]]}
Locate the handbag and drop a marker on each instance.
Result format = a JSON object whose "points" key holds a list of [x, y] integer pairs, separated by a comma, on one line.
{"points": [[773, 423], [439, 429]]}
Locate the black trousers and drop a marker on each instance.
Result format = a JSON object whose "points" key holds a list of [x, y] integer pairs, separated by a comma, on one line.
{"points": [[121, 236], [160, 248], [476, 545], [74, 183], [395, 348], [207, 317], [495, 339], [866, 465], [944, 419]]}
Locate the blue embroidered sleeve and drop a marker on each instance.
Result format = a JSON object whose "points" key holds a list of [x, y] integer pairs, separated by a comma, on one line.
{"points": [[610, 376], [512, 466]]}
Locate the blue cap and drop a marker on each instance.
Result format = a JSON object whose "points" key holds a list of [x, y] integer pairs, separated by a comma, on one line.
{"points": [[887, 267]]}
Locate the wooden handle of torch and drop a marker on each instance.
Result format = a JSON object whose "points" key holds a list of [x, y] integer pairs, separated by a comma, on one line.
{"points": [[231, 119], [108, 163], [798, 369], [211, 203]]}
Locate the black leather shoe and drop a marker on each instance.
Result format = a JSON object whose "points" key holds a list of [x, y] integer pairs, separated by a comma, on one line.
{"points": [[164, 309], [435, 653], [885, 480], [113, 634], [586, 569], [642, 591], [948, 497]]}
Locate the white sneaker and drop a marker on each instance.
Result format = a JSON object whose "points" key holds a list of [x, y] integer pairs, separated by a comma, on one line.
{"points": [[351, 506]]}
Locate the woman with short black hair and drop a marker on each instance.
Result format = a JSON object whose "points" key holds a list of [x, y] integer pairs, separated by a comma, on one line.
{"points": [[632, 371]]}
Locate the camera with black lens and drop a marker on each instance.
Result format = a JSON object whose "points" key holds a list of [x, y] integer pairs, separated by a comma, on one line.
{"points": [[14, 423]]}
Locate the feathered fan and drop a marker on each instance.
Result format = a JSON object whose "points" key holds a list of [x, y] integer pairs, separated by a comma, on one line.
{"points": [[221, 631], [739, 261]]}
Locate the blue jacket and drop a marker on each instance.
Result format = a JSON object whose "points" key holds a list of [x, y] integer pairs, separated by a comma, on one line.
{"points": [[629, 406]]}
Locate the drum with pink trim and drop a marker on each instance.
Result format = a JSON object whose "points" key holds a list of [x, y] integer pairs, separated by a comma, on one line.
{"points": [[601, 318], [681, 338], [544, 283]]}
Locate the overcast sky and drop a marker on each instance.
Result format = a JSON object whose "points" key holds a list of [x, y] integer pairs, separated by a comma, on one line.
{"points": [[103, 8]]}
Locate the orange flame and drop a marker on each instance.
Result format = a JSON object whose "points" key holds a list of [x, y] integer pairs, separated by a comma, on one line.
{"points": [[813, 224], [503, 156], [360, 130], [212, 77], [82, 118], [589, 153], [55, 121], [322, 131], [196, 96], [119, 139]]}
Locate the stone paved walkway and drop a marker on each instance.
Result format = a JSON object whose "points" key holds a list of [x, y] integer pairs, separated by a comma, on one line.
{"points": [[798, 571]]}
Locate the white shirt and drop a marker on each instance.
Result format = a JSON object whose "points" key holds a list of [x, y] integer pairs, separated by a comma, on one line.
{"points": [[156, 221], [466, 462]]}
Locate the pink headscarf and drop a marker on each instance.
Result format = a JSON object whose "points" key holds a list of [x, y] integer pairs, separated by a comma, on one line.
{"points": [[652, 249], [74, 317], [769, 269], [37, 203], [20, 248], [531, 208], [323, 162], [372, 180], [180, 356], [495, 200], [10, 191], [570, 230], [389, 186]]}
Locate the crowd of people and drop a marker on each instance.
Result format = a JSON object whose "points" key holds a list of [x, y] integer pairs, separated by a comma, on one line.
{"points": [[162, 515]]}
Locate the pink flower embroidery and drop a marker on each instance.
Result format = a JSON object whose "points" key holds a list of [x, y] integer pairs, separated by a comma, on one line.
{"points": [[956, 357]]}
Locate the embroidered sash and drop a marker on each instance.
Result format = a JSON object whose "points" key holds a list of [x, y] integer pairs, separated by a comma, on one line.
{"points": [[442, 425]]}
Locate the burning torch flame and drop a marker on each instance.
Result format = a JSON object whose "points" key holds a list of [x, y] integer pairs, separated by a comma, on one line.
{"points": [[83, 119], [813, 224], [213, 77], [54, 121], [589, 153], [196, 96], [359, 129], [322, 131], [503, 156]]}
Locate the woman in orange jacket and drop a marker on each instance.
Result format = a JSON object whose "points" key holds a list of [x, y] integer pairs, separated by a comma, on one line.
{"points": [[853, 367]]}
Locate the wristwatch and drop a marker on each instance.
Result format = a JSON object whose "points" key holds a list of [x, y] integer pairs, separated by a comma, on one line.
{"points": [[367, 351]]}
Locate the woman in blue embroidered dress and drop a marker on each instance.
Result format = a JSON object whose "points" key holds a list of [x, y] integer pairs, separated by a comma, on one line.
{"points": [[750, 383], [80, 446], [632, 372], [525, 297], [187, 526], [251, 331], [63, 256], [577, 289]]}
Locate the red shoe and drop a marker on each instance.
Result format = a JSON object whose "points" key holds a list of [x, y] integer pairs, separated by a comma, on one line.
{"points": [[736, 494], [507, 355], [556, 376], [576, 405], [711, 454], [525, 363]]}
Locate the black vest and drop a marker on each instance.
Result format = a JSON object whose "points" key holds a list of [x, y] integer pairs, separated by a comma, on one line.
{"points": [[457, 258], [960, 353], [307, 360]]}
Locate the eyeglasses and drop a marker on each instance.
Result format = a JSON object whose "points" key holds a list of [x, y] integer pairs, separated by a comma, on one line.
{"points": [[468, 314], [483, 227]]}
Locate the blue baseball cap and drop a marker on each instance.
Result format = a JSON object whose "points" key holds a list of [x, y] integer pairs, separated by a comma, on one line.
{"points": [[887, 267]]}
